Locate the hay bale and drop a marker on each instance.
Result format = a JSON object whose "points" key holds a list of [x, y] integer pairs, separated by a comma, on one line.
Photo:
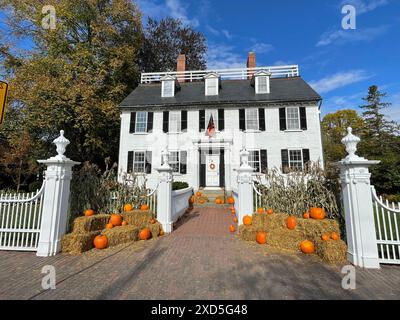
{"points": [[285, 239], [77, 243], [247, 233], [314, 229], [331, 251], [88, 224], [155, 229], [138, 218], [119, 235]]}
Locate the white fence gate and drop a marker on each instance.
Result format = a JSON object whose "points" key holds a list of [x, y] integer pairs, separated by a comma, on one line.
{"points": [[20, 220], [387, 223]]}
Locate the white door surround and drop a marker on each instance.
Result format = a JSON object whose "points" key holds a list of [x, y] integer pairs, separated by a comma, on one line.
{"points": [[212, 170]]}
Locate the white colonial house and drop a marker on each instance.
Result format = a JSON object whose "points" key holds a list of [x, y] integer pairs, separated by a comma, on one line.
{"points": [[204, 118]]}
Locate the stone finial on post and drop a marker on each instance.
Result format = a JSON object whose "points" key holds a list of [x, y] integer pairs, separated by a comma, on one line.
{"points": [[245, 186], [56, 199], [358, 207], [164, 193]]}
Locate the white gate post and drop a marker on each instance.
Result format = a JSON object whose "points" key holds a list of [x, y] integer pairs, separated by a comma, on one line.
{"points": [[358, 207], [164, 194], [56, 199], [245, 186]]}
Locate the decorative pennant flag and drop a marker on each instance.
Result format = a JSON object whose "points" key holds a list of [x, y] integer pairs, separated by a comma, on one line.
{"points": [[3, 99], [211, 127]]}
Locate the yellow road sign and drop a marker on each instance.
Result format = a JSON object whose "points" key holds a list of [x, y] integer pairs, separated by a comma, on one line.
{"points": [[3, 99]]}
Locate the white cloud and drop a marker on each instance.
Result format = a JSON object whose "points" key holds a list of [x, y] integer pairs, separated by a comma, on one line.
{"points": [[338, 80], [393, 112], [261, 47], [213, 31], [282, 63], [363, 6], [218, 33], [340, 37], [178, 11], [220, 56], [227, 34]]}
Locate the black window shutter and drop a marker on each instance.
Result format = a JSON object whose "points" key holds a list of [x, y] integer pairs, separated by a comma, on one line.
{"points": [[132, 123], [303, 118], [264, 160], [183, 120], [165, 121], [221, 119], [261, 119], [148, 161], [129, 166], [202, 120], [285, 160], [242, 119], [150, 117], [306, 157], [183, 162], [282, 119]]}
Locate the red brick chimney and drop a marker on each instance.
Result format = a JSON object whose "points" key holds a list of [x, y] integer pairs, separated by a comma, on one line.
{"points": [[181, 66], [251, 62]]}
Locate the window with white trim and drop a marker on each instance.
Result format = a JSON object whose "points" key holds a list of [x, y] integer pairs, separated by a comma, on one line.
{"points": [[212, 87], [255, 160], [262, 84], [214, 113], [141, 121], [168, 88], [174, 121], [292, 118], [296, 159], [252, 119], [139, 161], [174, 161]]}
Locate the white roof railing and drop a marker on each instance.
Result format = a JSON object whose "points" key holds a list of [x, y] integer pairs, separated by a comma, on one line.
{"points": [[242, 73]]}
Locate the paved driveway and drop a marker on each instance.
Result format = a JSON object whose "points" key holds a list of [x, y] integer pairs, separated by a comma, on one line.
{"points": [[200, 260]]}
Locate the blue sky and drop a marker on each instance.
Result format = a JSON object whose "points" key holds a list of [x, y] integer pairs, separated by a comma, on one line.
{"points": [[339, 64]]}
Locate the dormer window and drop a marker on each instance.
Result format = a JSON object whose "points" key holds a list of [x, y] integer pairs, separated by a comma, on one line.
{"points": [[211, 84], [167, 86], [261, 84]]}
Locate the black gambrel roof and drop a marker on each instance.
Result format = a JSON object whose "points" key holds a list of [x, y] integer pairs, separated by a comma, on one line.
{"points": [[291, 89]]}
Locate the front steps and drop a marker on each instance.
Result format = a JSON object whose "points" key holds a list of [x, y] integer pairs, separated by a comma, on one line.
{"points": [[209, 195]]}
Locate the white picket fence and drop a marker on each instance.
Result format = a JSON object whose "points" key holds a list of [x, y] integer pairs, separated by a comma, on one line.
{"points": [[20, 220], [387, 223]]}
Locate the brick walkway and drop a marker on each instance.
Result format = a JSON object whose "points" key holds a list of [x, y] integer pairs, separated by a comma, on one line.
{"points": [[200, 260]]}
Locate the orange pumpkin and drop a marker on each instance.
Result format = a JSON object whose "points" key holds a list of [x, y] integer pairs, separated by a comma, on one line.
{"points": [[198, 194], [247, 220], [306, 215], [162, 232], [192, 199], [89, 212], [109, 226], [100, 242], [261, 237], [144, 234], [124, 223], [218, 201], [233, 211], [325, 237], [231, 200], [116, 219], [201, 201], [152, 221], [232, 228], [128, 207], [260, 210], [291, 223], [235, 220], [270, 211], [144, 207], [317, 213], [307, 246], [334, 236]]}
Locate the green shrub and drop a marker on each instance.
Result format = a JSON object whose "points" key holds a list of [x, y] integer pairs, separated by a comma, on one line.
{"points": [[178, 185], [34, 186]]}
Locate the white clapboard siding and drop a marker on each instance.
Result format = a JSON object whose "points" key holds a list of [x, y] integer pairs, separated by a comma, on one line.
{"points": [[387, 222], [20, 219]]}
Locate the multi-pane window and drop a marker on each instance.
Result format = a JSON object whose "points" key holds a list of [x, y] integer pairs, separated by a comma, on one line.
{"points": [[168, 88], [212, 86], [174, 161], [174, 121], [139, 162], [252, 119], [214, 114], [292, 118], [262, 84], [295, 159], [141, 121], [254, 160]]}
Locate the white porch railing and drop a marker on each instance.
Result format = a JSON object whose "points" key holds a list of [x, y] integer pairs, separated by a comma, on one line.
{"points": [[20, 220], [257, 203], [180, 202], [241, 73], [387, 223]]}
